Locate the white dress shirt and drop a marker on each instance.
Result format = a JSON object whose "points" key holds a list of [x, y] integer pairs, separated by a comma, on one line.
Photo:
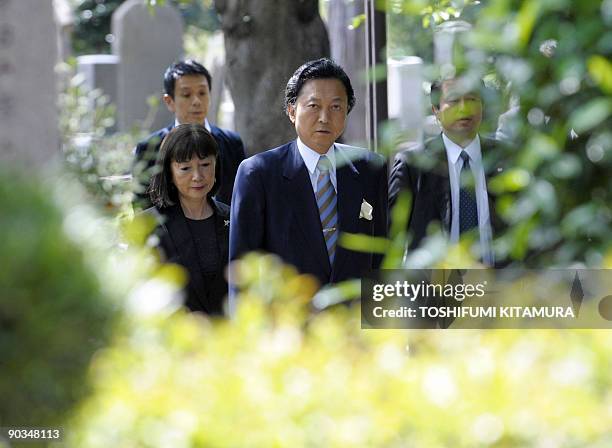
{"points": [[455, 164], [311, 158], [206, 124]]}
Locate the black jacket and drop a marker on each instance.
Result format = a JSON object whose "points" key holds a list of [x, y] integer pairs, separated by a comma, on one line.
{"points": [[425, 174], [177, 246], [231, 153]]}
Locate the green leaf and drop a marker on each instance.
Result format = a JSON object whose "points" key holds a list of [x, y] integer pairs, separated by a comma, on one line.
{"points": [[526, 20], [591, 114], [510, 181], [334, 294], [600, 70], [357, 21], [153, 101], [364, 243], [520, 238], [539, 148]]}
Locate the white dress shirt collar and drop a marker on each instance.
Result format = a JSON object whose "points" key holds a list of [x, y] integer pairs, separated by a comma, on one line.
{"points": [[206, 124], [311, 157], [453, 150]]}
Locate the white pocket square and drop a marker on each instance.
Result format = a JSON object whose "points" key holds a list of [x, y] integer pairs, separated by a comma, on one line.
{"points": [[366, 210]]}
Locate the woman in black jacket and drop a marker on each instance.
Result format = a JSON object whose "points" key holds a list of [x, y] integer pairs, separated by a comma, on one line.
{"points": [[194, 227]]}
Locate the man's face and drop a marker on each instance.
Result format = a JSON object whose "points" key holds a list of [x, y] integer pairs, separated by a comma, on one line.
{"points": [[191, 99], [460, 113], [319, 113]]}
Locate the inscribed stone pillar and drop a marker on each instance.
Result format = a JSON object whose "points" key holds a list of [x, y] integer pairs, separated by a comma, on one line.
{"points": [[147, 42], [28, 91]]}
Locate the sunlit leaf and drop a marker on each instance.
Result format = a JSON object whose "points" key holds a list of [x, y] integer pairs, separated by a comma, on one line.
{"points": [[357, 21], [600, 70], [526, 20], [363, 243], [137, 230], [172, 273], [521, 233], [338, 293], [540, 148], [511, 180], [591, 114]]}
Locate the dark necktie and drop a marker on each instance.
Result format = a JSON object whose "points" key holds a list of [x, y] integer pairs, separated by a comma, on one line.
{"points": [[326, 201], [468, 210]]}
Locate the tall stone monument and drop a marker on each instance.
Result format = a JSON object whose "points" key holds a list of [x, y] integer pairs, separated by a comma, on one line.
{"points": [[406, 103], [28, 90], [100, 72], [146, 41]]}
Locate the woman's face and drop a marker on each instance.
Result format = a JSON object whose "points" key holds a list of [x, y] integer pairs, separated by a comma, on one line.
{"points": [[193, 179]]}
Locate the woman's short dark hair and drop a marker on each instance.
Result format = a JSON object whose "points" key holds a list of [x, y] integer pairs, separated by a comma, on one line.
{"points": [[323, 68], [181, 144]]}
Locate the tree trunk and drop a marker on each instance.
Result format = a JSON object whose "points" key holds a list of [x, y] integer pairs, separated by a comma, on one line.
{"points": [[348, 50], [265, 41]]}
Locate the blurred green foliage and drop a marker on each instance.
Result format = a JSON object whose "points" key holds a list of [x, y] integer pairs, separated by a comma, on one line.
{"points": [[553, 56], [278, 375], [410, 24], [55, 310], [99, 158], [549, 61]]}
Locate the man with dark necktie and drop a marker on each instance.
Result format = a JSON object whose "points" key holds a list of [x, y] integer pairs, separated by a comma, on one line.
{"points": [[297, 200], [452, 190]]}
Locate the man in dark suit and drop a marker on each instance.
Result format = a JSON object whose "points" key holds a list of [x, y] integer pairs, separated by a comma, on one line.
{"points": [[296, 200], [187, 95], [448, 180]]}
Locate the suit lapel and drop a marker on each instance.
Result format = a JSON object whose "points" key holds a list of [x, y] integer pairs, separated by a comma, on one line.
{"points": [[222, 232], [492, 168], [443, 203], [350, 195], [301, 201]]}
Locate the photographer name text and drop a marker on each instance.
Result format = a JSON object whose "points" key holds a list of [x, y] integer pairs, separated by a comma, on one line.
{"points": [[474, 312]]}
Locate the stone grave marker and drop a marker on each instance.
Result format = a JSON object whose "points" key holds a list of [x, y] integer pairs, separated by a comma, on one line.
{"points": [[100, 72], [146, 43]]}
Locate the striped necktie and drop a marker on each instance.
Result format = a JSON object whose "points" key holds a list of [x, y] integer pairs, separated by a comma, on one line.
{"points": [[327, 203], [468, 209]]}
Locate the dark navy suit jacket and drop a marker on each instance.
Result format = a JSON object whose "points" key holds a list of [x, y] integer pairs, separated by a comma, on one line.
{"points": [[274, 210], [231, 153], [425, 175]]}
